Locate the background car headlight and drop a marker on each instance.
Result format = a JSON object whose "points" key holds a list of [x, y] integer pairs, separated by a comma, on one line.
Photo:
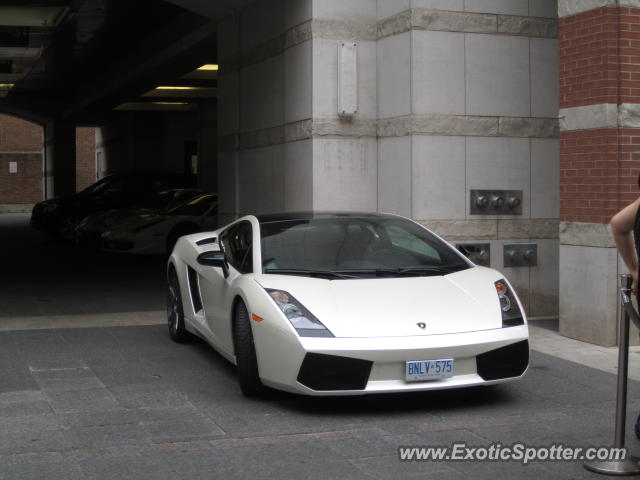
{"points": [[305, 323], [511, 314]]}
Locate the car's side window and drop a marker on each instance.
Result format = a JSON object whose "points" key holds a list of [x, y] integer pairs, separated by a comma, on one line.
{"points": [[238, 242], [112, 189]]}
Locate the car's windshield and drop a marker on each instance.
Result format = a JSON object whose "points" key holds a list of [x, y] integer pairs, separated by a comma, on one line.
{"points": [[357, 245], [101, 184]]}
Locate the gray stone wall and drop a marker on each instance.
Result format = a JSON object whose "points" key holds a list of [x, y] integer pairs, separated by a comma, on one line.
{"points": [[452, 95]]}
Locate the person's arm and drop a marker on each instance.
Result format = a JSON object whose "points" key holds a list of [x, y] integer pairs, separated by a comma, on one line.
{"points": [[622, 227]]}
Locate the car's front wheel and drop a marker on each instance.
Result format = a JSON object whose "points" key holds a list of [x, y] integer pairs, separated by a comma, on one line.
{"points": [[175, 314], [245, 350]]}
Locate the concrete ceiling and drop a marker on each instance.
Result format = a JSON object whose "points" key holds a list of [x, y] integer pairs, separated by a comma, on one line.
{"points": [[77, 60]]}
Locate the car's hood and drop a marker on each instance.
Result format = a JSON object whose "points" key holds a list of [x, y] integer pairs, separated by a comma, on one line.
{"points": [[128, 217], [79, 203], [59, 201], [137, 220], [376, 307]]}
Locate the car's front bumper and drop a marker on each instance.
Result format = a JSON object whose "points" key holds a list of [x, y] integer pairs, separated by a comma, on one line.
{"points": [[387, 357], [132, 244], [44, 221]]}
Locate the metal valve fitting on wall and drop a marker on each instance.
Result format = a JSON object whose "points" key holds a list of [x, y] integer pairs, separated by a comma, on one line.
{"points": [[520, 254], [478, 253], [495, 202]]}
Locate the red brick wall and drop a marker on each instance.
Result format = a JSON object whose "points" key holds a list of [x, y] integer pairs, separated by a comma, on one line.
{"points": [[599, 63], [589, 67], [20, 142], [85, 157], [593, 184], [17, 135], [24, 186]]}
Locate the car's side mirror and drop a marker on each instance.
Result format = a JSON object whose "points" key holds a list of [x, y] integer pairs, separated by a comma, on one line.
{"points": [[214, 258]]}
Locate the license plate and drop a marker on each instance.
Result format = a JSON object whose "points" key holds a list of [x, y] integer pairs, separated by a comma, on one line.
{"points": [[419, 370]]}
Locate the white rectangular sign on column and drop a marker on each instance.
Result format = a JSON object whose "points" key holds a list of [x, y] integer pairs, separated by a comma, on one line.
{"points": [[347, 79]]}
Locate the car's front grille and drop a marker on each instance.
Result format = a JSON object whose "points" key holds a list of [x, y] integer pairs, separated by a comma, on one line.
{"points": [[330, 372], [504, 362]]}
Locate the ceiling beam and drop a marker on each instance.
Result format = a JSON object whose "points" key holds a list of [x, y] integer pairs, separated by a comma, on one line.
{"points": [[139, 66], [34, 109], [212, 9], [36, 3]]}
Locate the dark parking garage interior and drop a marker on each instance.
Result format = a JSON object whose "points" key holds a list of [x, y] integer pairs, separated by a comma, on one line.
{"points": [[98, 64], [87, 64]]}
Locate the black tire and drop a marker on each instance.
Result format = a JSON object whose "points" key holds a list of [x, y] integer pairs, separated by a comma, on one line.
{"points": [[245, 350], [175, 313], [178, 232]]}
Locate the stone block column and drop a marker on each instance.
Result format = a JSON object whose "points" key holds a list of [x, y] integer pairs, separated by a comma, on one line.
{"points": [[468, 99], [451, 96], [282, 144], [599, 157]]}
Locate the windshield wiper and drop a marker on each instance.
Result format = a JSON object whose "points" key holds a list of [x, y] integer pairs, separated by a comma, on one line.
{"points": [[311, 273], [417, 270], [429, 269]]}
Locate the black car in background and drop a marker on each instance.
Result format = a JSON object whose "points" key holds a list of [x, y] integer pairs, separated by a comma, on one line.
{"points": [[89, 230], [59, 216]]}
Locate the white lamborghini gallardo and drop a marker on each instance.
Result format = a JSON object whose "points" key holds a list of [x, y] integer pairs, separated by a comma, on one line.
{"points": [[345, 304]]}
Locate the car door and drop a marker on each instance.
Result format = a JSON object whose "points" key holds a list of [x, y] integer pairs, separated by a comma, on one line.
{"points": [[237, 242]]}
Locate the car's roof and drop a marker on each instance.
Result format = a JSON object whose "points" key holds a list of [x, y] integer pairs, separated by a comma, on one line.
{"points": [[308, 215]]}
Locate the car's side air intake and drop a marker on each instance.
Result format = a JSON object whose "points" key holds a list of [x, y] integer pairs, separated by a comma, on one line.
{"points": [[504, 362], [194, 290]]}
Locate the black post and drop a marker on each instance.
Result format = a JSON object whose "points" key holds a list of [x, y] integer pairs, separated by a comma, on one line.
{"points": [[630, 465]]}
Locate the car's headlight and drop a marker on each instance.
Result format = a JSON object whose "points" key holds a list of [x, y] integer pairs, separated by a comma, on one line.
{"points": [[511, 314], [305, 323]]}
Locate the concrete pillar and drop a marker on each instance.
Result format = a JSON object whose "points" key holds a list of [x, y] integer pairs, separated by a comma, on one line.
{"points": [[600, 105], [60, 159], [451, 96], [468, 99], [208, 146], [85, 157]]}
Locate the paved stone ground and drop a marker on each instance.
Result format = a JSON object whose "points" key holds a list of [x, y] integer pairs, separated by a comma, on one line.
{"points": [[124, 402], [45, 282]]}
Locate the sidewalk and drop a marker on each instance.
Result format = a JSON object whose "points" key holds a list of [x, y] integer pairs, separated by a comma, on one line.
{"points": [[594, 356]]}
